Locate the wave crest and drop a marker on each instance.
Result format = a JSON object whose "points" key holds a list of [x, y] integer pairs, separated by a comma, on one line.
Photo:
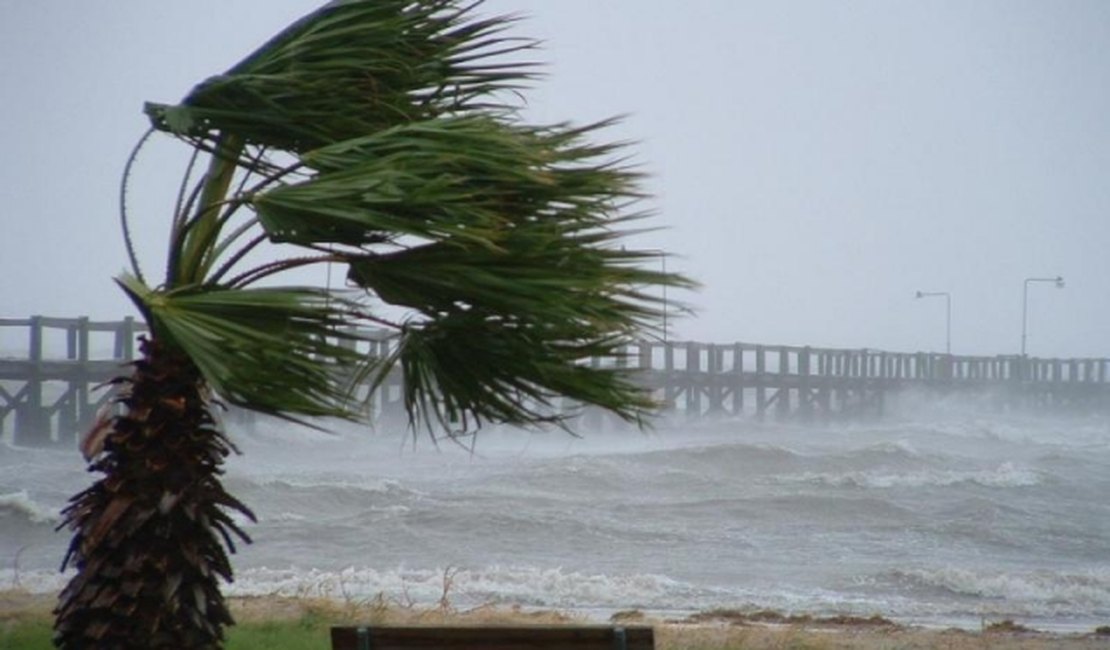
{"points": [[1006, 475], [23, 505]]}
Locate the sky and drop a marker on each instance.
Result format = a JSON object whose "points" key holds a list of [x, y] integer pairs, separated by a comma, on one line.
{"points": [[811, 164]]}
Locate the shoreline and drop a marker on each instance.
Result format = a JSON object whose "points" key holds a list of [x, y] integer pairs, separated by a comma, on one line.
{"points": [[723, 629], [430, 593], [755, 614]]}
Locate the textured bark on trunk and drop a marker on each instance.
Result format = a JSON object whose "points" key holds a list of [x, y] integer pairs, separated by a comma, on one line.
{"points": [[150, 535]]}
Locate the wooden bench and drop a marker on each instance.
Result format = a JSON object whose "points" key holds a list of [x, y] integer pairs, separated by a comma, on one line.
{"points": [[509, 637]]}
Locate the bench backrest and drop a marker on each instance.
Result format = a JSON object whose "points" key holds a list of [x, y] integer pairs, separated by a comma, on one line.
{"points": [[512, 637]]}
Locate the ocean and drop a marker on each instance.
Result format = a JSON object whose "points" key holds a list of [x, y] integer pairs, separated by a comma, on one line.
{"points": [[940, 515]]}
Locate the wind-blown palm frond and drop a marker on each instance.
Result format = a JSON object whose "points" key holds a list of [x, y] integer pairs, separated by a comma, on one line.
{"points": [[511, 235], [506, 334], [538, 269], [470, 178], [351, 68], [469, 368], [273, 350]]}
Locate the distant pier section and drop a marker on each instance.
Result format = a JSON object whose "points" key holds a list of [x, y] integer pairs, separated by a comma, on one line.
{"points": [[50, 369]]}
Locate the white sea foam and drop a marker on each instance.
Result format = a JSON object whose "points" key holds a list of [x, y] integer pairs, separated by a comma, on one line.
{"points": [[21, 503], [1006, 475], [314, 481], [526, 586], [281, 517], [1033, 592], [901, 447], [36, 582]]}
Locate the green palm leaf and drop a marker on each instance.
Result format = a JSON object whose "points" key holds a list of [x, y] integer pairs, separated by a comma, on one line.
{"points": [[283, 351], [470, 368], [351, 68], [470, 178]]}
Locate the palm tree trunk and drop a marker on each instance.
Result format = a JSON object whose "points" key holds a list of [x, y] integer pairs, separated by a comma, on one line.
{"points": [[149, 537]]}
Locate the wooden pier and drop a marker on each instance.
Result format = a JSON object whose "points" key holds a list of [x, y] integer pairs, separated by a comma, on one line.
{"points": [[794, 381], [47, 388]]}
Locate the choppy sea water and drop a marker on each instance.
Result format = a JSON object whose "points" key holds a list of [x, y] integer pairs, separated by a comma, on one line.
{"points": [[946, 516]]}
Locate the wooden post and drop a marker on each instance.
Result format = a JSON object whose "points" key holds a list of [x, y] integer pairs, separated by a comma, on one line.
{"points": [[86, 409], [348, 342], [125, 339], [668, 369], [76, 412], [805, 399], [645, 362], [715, 383], [782, 407], [737, 379], [843, 371], [71, 340], [760, 382], [620, 357], [693, 379], [29, 423]]}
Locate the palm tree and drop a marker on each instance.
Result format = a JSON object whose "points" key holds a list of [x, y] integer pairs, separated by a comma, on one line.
{"points": [[377, 135]]}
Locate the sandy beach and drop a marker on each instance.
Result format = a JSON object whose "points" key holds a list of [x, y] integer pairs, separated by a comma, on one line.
{"points": [[760, 630]]}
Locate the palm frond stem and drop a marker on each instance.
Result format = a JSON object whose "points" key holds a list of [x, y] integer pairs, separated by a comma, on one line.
{"points": [[231, 207], [254, 275], [184, 207], [181, 235], [214, 278], [180, 231], [179, 213], [197, 244], [273, 177], [124, 225], [251, 168]]}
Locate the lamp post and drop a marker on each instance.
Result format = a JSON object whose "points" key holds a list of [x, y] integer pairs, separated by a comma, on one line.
{"points": [[1058, 281], [663, 261], [947, 315]]}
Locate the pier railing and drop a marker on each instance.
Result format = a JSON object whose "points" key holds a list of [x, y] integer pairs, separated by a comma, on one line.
{"points": [[50, 367]]}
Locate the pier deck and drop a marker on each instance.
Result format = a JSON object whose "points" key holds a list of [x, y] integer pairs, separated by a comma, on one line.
{"points": [[48, 391]]}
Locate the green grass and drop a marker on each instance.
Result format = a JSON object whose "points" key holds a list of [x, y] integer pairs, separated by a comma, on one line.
{"points": [[309, 633], [25, 635]]}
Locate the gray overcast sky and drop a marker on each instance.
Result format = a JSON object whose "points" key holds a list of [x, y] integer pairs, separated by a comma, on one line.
{"points": [[813, 163]]}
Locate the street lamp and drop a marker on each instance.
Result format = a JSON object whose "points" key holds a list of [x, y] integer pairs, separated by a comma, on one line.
{"points": [[663, 261], [947, 315], [1058, 281]]}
